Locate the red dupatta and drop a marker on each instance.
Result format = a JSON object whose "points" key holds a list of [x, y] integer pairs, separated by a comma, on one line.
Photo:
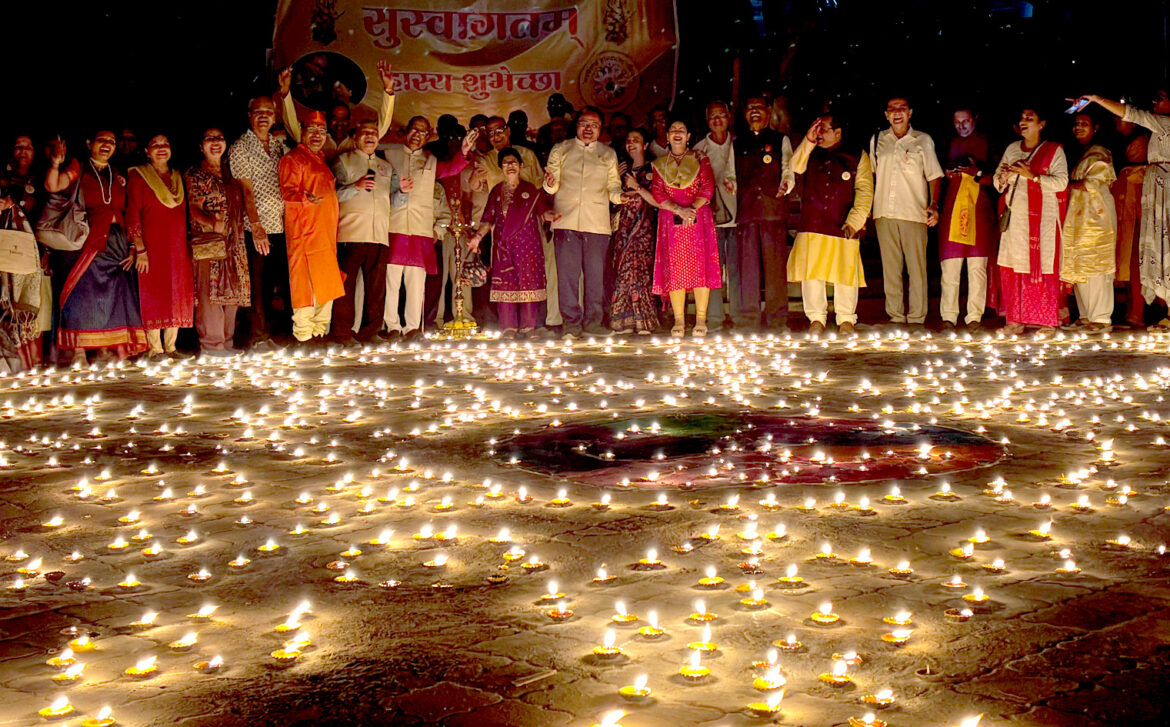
{"points": [[1041, 161]]}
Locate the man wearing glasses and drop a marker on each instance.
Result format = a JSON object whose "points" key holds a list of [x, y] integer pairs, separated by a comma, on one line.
{"points": [[582, 174]]}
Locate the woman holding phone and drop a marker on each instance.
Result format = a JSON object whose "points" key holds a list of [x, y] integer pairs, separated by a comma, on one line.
{"points": [[687, 257]]}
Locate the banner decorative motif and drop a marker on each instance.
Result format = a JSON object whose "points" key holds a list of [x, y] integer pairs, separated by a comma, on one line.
{"points": [[467, 56]]}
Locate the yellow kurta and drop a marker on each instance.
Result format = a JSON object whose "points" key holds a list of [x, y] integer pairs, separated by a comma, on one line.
{"points": [[1089, 245], [830, 258]]}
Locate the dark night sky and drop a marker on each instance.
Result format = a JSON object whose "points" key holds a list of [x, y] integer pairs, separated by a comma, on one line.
{"points": [[177, 65]]}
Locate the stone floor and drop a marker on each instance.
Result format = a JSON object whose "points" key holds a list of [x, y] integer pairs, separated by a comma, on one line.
{"points": [[404, 643]]}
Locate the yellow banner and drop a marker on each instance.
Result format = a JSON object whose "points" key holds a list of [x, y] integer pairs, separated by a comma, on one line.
{"points": [[492, 57]]}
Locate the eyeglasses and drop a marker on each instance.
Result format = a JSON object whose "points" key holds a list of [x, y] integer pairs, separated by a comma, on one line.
{"points": [[214, 138]]}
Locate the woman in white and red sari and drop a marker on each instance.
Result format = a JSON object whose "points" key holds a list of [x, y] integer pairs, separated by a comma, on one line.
{"points": [[1032, 177]]}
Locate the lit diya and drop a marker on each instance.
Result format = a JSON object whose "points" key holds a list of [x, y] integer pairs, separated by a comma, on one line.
{"points": [[769, 680], [608, 648], [103, 718], [59, 708], [701, 614], [143, 667], [704, 644], [694, 670], [710, 580], [621, 616], [637, 690], [770, 707], [838, 677], [651, 630], [867, 720], [788, 643], [824, 614]]}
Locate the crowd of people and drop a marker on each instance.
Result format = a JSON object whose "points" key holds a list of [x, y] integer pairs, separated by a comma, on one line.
{"points": [[331, 228]]}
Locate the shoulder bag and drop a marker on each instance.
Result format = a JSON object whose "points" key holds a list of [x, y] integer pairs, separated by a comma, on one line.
{"points": [[64, 224]]}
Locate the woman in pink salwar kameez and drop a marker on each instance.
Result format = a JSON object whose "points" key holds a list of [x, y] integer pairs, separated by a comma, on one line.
{"points": [[687, 257]]}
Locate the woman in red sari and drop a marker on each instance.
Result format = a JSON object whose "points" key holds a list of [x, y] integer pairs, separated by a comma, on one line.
{"points": [[513, 214], [156, 220], [99, 293], [687, 257]]}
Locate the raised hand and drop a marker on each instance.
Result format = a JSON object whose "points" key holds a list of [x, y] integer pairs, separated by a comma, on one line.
{"points": [[469, 141], [284, 81], [58, 151], [384, 72]]}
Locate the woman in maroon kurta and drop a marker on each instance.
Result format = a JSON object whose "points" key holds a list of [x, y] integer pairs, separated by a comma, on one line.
{"points": [[156, 217], [514, 211]]}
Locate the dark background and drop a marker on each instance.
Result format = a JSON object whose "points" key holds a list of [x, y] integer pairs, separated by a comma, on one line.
{"points": [[181, 65]]}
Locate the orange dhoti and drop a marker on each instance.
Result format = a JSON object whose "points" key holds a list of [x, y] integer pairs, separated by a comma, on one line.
{"points": [[310, 227]]}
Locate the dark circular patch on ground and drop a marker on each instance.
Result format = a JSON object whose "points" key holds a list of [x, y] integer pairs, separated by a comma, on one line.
{"points": [[738, 448]]}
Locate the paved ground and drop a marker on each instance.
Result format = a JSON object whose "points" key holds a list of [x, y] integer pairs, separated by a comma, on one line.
{"points": [[447, 646]]}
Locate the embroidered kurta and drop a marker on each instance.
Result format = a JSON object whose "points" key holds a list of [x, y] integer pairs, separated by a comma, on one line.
{"points": [[687, 256], [1090, 225], [837, 190], [1154, 234], [632, 248], [310, 228], [517, 252], [215, 207], [166, 290]]}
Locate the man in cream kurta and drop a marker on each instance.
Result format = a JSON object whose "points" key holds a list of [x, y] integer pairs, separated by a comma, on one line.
{"points": [[719, 148], [412, 226], [905, 204], [367, 185], [582, 173]]}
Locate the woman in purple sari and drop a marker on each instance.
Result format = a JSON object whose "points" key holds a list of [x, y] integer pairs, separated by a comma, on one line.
{"points": [[99, 297], [513, 213]]}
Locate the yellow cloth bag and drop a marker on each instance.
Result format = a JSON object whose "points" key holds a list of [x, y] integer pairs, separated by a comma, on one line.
{"points": [[963, 215]]}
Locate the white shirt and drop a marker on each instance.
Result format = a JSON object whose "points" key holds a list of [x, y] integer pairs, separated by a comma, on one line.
{"points": [[1013, 244], [585, 181], [902, 170], [722, 158]]}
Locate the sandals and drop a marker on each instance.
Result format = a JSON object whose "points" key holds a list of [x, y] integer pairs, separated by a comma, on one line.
{"points": [[700, 329], [680, 328], [1162, 325]]}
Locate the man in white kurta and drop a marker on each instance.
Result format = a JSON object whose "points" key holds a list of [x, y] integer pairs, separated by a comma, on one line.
{"points": [[905, 204]]}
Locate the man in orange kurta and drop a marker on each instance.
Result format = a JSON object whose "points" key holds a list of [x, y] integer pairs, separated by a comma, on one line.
{"points": [[310, 225]]}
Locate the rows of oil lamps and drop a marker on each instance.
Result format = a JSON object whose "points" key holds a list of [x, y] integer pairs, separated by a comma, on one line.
{"points": [[997, 490]]}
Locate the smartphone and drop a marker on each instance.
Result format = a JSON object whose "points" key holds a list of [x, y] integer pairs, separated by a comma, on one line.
{"points": [[1080, 104]]}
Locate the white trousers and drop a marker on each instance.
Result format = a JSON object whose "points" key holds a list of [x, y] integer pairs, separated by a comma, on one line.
{"points": [[451, 274], [816, 301], [552, 313], [312, 321], [952, 274], [1095, 298], [414, 279]]}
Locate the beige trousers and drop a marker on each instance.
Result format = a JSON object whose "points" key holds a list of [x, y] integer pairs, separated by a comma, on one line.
{"points": [[903, 246], [1095, 298], [162, 340]]}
